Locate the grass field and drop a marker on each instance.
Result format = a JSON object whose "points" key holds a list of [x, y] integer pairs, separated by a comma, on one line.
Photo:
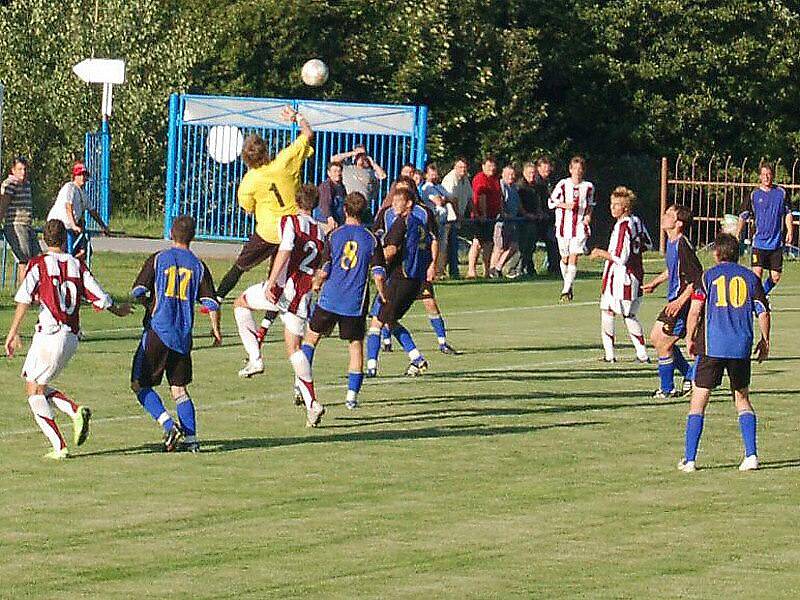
{"points": [[523, 468]]}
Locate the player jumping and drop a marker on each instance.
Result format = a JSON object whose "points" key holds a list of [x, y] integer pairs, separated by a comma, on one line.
{"points": [[725, 300], [623, 274], [573, 200], [769, 209], [407, 249], [682, 274], [169, 285], [59, 282], [287, 292], [351, 253]]}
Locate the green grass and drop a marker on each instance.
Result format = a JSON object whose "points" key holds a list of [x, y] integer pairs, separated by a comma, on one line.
{"points": [[523, 468]]}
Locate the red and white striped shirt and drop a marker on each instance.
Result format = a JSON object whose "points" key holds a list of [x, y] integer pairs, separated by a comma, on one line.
{"points": [[624, 273], [59, 282], [303, 237], [569, 221]]}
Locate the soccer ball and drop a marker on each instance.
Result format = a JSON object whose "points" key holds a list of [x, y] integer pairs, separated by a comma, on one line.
{"points": [[314, 73]]}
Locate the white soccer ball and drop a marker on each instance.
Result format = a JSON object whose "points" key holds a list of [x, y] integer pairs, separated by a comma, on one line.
{"points": [[314, 73]]}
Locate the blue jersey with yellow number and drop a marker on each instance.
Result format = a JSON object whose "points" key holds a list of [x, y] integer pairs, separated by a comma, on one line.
{"points": [[172, 281], [351, 253], [732, 294]]}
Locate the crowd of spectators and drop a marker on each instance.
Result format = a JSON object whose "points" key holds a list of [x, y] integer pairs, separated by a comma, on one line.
{"points": [[502, 214]]}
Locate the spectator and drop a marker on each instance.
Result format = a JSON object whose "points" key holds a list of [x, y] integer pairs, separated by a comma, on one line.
{"points": [[535, 189], [70, 207], [331, 197], [435, 197], [505, 229], [17, 204], [419, 179], [407, 170], [360, 173], [486, 202], [457, 184]]}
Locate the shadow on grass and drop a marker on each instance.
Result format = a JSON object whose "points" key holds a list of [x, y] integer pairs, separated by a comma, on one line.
{"points": [[450, 431], [789, 463], [534, 374]]}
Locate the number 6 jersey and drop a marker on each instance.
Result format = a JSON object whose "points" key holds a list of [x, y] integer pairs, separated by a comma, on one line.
{"points": [[59, 282], [173, 280]]}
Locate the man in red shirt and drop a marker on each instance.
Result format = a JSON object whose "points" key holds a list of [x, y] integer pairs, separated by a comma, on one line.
{"points": [[486, 203]]}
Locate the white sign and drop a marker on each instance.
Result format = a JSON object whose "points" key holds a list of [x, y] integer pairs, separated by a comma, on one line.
{"points": [[101, 70]]}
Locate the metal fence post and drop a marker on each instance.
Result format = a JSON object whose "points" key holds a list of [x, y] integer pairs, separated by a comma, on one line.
{"points": [[169, 195], [105, 171], [421, 136], [663, 205]]}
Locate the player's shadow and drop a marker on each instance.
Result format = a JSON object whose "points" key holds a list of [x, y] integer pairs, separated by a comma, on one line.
{"points": [[539, 374], [789, 463], [449, 431], [546, 348]]}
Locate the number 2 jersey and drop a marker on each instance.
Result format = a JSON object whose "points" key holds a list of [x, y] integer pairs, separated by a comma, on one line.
{"points": [[172, 281], [623, 274], [731, 294], [303, 237], [60, 282], [351, 253]]}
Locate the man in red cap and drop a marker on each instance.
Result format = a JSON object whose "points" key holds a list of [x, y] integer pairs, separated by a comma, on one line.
{"points": [[69, 208]]}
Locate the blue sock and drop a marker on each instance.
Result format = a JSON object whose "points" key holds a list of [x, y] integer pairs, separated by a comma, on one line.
{"points": [[679, 361], [151, 402], [185, 408], [694, 429], [407, 342], [747, 424], [308, 350], [666, 371], [373, 344], [769, 285], [437, 323], [354, 381], [386, 335]]}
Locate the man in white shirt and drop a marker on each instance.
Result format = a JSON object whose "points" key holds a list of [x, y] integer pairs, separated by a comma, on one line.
{"points": [[69, 208], [457, 184]]}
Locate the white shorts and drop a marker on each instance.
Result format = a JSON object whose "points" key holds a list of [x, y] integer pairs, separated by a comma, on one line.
{"points": [[48, 355], [624, 308], [256, 299], [570, 246]]}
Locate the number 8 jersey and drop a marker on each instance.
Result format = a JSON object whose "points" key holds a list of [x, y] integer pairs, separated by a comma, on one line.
{"points": [[303, 237], [59, 282], [731, 294]]}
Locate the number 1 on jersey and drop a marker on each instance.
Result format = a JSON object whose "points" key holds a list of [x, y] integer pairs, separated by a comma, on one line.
{"points": [[736, 290]]}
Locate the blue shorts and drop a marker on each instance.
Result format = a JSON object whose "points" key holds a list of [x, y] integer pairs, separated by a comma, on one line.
{"points": [[76, 241]]}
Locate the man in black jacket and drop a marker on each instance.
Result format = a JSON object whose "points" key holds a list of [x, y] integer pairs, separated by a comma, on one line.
{"points": [[539, 225]]}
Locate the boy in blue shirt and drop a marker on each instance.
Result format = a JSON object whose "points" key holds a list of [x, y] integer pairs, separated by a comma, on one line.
{"points": [[725, 300], [769, 209], [682, 275], [169, 284], [351, 254]]}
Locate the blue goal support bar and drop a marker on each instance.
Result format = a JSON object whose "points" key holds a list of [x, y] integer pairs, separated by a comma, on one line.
{"points": [[206, 134], [97, 158]]}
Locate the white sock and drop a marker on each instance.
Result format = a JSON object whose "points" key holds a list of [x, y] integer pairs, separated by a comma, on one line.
{"points": [[637, 336], [351, 396], [61, 402], [266, 323], [570, 273], [563, 266], [607, 333], [45, 419], [372, 363], [414, 355], [302, 371], [247, 332]]}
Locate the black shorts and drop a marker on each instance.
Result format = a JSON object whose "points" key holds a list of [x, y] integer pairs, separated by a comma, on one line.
{"points": [[426, 291], [153, 359], [675, 325], [767, 259], [254, 252], [350, 328], [709, 372], [401, 293]]}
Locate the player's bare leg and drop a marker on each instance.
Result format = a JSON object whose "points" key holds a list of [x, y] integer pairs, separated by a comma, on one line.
{"points": [[248, 333], [187, 419], [80, 415], [472, 259], [44, 416]]}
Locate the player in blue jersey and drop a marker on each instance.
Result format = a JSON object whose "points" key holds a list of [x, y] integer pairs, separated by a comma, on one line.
{"points": [[383, 221], [407, 249], [351, 254], [725, 301], [169, 284], [769, 209], [682, 274]]}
